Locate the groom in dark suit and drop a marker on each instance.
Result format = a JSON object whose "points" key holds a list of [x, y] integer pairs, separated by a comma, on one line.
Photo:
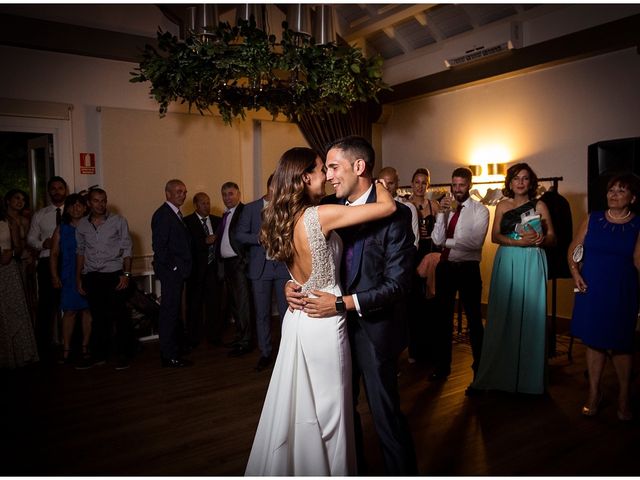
{"points": [[172, 265], [378, 258]]}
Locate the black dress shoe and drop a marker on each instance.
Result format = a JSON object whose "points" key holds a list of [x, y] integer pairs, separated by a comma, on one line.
{"points": [[175, 362], [239, 351], [263, 363]]}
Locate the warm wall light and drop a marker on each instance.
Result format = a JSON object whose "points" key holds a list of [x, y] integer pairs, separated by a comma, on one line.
{"points": [[476, 170], [496, 169]]}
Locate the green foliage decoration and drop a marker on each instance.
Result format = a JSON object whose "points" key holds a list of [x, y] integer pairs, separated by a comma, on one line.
{"points": [[242, 68]]}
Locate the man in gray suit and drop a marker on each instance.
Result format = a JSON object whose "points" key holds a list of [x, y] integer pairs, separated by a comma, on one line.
{"points": [[265, 275]]}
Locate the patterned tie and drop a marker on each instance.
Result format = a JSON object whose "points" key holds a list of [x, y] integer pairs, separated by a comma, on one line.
{"points": [[180, 216], [58, 216], [212, 252], [450, 229], [220, 232]]}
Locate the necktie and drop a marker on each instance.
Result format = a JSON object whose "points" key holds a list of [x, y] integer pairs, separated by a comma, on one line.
{"points": [[180, 216], [347, 257], [58, 216], [450, 229], [212, 251], [220, 232]]}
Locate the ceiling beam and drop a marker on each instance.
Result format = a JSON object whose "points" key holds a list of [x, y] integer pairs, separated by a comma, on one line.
{"points": [[39, 34], [608, 37], [381, 22]]}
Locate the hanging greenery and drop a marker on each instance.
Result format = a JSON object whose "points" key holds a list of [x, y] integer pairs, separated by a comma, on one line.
{"points": [[242, 68]]}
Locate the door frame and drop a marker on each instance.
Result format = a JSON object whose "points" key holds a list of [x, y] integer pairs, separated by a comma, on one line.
{"points": [[62, 141]]}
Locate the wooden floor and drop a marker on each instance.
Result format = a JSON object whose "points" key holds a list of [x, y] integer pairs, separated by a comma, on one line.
{"points": [[200, 421]]}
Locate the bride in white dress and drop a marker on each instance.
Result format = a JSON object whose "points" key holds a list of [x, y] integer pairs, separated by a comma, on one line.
{"points": [[306, 425]]}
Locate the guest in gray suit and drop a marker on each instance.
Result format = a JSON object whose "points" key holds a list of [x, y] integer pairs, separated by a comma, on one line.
{"points": [[265, 275]]}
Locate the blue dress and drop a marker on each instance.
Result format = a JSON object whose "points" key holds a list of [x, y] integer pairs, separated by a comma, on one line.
{"points": [[70, 299], [605, 315], [513, 355]]}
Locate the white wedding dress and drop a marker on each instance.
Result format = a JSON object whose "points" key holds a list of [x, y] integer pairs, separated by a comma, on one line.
{"points": [[306, 425]]}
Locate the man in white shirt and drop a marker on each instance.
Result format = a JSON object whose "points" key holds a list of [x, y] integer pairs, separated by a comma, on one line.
{"points": [[461, 232], [43, 224]]}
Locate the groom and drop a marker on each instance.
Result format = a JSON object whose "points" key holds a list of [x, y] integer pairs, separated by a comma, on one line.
{"points": [[376, 273]]}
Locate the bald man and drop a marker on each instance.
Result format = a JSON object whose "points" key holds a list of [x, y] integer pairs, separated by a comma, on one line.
{"points": [[172, 265], [390, 176]]}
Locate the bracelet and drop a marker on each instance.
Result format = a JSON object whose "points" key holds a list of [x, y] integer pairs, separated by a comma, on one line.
{"points": [[126, 274]]}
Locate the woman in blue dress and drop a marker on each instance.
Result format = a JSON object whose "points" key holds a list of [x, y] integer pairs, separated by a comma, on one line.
{"points": [[63, 275], [605, 310], [513, 355]]}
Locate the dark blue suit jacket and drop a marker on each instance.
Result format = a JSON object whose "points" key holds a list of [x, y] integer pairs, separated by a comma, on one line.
{"points": [[171, 244], [247, 232], [383, 261]]}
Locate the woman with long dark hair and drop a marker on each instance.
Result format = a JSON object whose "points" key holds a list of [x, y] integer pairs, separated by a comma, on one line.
{"points": [[17, 340], [63, 275], [513, 355], [306, 426]]}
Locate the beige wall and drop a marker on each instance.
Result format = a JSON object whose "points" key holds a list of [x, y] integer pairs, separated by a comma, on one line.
{"points": [[546, 118]]}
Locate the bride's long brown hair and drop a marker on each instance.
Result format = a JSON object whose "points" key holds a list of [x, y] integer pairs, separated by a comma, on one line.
{"points": [[288, 201]]}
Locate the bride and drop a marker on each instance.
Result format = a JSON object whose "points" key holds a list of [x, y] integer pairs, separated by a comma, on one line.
{"points": [[306, 425]]}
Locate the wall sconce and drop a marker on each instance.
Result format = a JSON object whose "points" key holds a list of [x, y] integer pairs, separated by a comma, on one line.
{"points": [[489, 170], [497, 169], [476, 170]]}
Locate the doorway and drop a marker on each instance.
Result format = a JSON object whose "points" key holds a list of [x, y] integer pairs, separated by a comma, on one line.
{"points": [[27, 163]]}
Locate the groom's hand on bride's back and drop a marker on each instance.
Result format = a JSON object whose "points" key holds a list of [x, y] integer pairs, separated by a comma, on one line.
{"points": [[295, 297], [320, 305]]}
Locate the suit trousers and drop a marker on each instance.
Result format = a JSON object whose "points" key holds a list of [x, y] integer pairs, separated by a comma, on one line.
{"points": [[262, 295], [169, 320], [48, 307], [239, 293], [204, 318], [451, 278], [108, 309], [380, 377]]}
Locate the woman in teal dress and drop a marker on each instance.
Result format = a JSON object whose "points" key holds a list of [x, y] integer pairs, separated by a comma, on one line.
{"points": [[605, 310], [63, 275], [513, 355]]}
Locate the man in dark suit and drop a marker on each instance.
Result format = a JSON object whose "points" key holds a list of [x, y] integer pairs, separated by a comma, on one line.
{"points": [[203, 289], [377, 263], [266, 275], [172, 266], [232, 264]]}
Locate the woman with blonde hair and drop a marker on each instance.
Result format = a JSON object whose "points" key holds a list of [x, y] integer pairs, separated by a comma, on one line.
{"points": [[306, 426]]}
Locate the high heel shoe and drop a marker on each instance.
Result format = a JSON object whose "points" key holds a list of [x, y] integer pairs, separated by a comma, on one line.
{"points": [[592, 410]]}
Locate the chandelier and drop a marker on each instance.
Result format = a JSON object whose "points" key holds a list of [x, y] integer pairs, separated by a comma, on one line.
{"points": [[242, 67]]}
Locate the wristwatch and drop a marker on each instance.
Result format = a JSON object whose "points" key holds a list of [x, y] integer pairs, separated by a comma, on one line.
{"points": [[340, 306], [127, 274]]}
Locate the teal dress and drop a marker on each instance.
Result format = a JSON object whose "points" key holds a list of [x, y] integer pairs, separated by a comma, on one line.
{"points": [[513, 355]]}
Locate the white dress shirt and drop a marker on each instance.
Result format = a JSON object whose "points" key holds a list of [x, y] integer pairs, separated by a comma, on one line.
{"points": [[468, 237], [42, 227], [226, 250], [415, 225]]}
